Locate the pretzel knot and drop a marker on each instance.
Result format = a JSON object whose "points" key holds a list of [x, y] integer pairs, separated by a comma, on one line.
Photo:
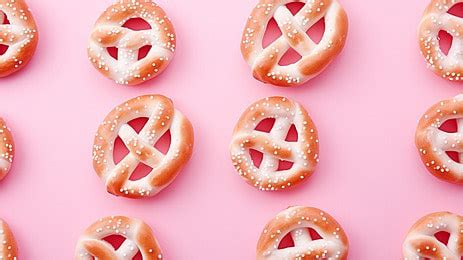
{"points": [[303, 153], [138, 238], [108, 32], [315, 57], [435, 144], [20, 35], [422, 243], [8, 247], [296, 222], [6, 149], [162, 117]]}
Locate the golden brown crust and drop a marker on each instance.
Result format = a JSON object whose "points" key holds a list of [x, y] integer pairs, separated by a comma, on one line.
{"points": [[108, 32], [6, 149], [422, 243], [303, 153], [8, 247], [162, 118], [138, 235], [20, 36], [297, 220], [315, 57], [433, 143]]}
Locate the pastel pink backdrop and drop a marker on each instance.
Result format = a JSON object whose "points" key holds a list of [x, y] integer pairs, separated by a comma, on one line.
{"points": [[366, 106]]}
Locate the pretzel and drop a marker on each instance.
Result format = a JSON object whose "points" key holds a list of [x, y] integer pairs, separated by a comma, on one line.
{"points": [[108, 32], [138, 238], [8, 247], [315, 57], [296, 221], [6, 149], [421, 242], [162, 118], [303, 153], [20, 36], [433, 143]]}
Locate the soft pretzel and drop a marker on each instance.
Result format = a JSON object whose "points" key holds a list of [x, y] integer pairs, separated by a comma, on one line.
{"points": [[20, 36], [303, 153], [138, 238], [315, 57], [108, 32], [433, 143], [421, 242], [435, 19], [8, 247], [162, 118], [296, 221], [6, 149]]}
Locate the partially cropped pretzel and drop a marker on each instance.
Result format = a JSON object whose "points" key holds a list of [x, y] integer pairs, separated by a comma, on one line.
{"points": [[296, 221], [433, 143], [8, 247], [303, 153], [108, 32], [6, 149], [138, 238], [162, 117], [20, 35], [315, 56], [421, 242]]}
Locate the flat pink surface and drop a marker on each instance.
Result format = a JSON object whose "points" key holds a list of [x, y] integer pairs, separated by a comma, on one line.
{"points": [[366, 106]]}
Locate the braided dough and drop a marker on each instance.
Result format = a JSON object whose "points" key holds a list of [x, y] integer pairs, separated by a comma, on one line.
{"points": [[6, 149], [20, 36], [435, 19], [433, 143], [162, 117], [315, 57], [421, 243], [297, 220], [8, 247], [108, 32], [138, 237], [303, 153]]}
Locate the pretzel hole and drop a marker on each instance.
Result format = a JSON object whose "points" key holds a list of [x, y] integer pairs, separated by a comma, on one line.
{"points": [[449, 126], [266, 125], [317, 30], [443, 237], [5, 18], [138, 256], [113, 52], [445, 41], [143, 51], [256, 157], [163, 144], [138, 123], [455, 156], [290, 57], [119, 151], [284, 165], [456, 10], [3, 49], [314, 235], [286, 241], [292, 135], [295, 7], [137, 24], [272, 33], [115, 240], [141, 171]]}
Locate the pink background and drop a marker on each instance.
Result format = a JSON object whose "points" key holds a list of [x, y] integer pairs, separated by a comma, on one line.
{"points": [[366, 106]]}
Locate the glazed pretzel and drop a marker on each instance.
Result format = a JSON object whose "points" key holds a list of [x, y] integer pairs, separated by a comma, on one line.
{"points": [[296, 221], [20, 36], [108, 32], [433, 143], [421, 243], [6, 149], [303, 153], [138, 237], [435, 19], [162, 117], [315, 57], [8, 247]]}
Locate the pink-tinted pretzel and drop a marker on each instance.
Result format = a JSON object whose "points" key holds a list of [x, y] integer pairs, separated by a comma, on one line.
{"points": [[315, 57], [8, 247], [6, 149], [109, 32]]}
